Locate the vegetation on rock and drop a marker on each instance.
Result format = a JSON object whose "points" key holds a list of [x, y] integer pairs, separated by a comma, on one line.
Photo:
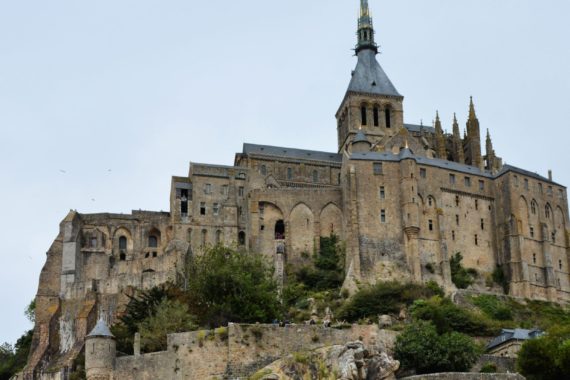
{"points": [[461, 277]]}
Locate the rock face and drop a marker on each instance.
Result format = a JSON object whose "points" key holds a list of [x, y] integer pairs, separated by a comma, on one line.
{"points": [[353, 361]]}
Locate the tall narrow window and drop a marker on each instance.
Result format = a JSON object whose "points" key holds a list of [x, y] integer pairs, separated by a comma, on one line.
{"points": [[241, 238], [208, 188], [476, 239], [263, 170], [430, 225], [202, 208], [467, 181], [526, 184], [241, 191], [481, 185], [289, 174], [377, 168], [315, 176], [483, 224], [123, 243], [383, 216], [457, 200], [218, 237], [540, 190], [457, 219], [216, 209], [560, 264], [547, 212], [189, 236], [423, 173], [476, 204], [531, 232], [452, 179], [363, 115], [534, 258], [388, 117], [533, 207], [225, 190], [279, 230], [152, 241], [382, 192], [204, 238], [376, 116], [453, 235]]}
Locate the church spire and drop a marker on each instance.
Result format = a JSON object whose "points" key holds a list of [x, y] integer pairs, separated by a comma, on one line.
{"points": [[365, 29], [439, 138], [459, 155]]}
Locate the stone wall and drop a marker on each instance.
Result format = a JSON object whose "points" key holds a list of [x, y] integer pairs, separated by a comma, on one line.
{"points": [[467, 376], [239, 351]]}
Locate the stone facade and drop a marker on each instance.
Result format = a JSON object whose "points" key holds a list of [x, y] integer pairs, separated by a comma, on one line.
{"points": [[403, 198]]}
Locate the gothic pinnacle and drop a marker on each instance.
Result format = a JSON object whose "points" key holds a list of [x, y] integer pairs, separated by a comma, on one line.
{"points": [[472, 114], [365, 29]]}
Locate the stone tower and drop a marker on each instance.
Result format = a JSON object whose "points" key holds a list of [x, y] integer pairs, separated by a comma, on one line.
{"points": [[371, 104], [100, 353]]}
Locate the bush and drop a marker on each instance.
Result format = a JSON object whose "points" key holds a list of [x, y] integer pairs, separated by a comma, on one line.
{"points": [[461, 277], [493, 307], [383, 298], [327, 271], [488, 368], [420, 348], [500, 278], [170, 317], [448, 317], [547, 357], [13, 359], [229, 286]]}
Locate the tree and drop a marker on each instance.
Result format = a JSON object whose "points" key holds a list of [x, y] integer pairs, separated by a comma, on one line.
{"points": [[231, 286], [30, 311], [461, 277], [420, 348], [170, 317], [328, 269], [547, 357]]}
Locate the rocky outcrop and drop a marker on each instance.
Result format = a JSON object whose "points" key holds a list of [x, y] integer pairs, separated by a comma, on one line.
{"points": [[353, 361]]}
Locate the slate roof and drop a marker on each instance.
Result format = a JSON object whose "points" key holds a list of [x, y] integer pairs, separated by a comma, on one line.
{"points": [[369, 77], [508, 335], [360, 137], [101, 330], [290, 153], [509, 168], [406, 153], [418, 128]]}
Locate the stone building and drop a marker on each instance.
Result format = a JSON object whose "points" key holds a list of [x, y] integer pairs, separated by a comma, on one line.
{"points": [[402, 197]]}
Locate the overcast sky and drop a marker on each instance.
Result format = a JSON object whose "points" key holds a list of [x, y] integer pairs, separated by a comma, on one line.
{"points": [[101, 102]]}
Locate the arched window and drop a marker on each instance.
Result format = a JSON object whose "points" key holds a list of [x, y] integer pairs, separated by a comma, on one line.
{"points": [[152, 241], [376, 114], [363, 115], [315, 176], [547, 212], [204, 238], [218, 237], [241, 238], [122, 243], [388, 117], [279, 230], [533, 207], [263, 170]]}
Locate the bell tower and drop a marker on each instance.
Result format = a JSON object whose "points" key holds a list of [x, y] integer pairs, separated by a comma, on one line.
{"points": [[372, 105]]}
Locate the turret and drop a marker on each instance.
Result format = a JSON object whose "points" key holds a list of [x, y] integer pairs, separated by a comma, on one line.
{"points": [[100, 352], [490, 153], [360, 144]]}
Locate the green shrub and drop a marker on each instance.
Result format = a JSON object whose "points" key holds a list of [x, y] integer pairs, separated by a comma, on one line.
{"points": [[493, 307], [500, 278], [448, 317], [382, 298], [461, 277], [422, 349], [547, 357], [488, 368], [327, 271]]}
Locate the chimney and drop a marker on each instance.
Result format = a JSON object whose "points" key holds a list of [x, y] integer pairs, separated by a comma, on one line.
{"points": [[550, 175]]}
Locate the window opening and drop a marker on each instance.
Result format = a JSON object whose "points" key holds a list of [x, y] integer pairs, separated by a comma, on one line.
{"points": [[452, 179], [383, 216], [430, 225], [289, 174], [279, 230], [241, 238], [202, 208], [376, 116], [152, 241], [216, 209], [363, 115], [423, 173], [468, 181], [377, 168], [263, 170], [382, 192], [388, 118], [315, 176]]}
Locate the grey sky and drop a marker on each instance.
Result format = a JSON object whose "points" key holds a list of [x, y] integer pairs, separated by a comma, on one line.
{"points": [[142, 87]]}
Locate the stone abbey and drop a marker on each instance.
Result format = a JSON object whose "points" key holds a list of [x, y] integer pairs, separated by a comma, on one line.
{"points": [[403, 198]]}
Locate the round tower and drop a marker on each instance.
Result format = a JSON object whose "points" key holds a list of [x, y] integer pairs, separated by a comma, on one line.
{"points": [[360, 144], [100, 353]]}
